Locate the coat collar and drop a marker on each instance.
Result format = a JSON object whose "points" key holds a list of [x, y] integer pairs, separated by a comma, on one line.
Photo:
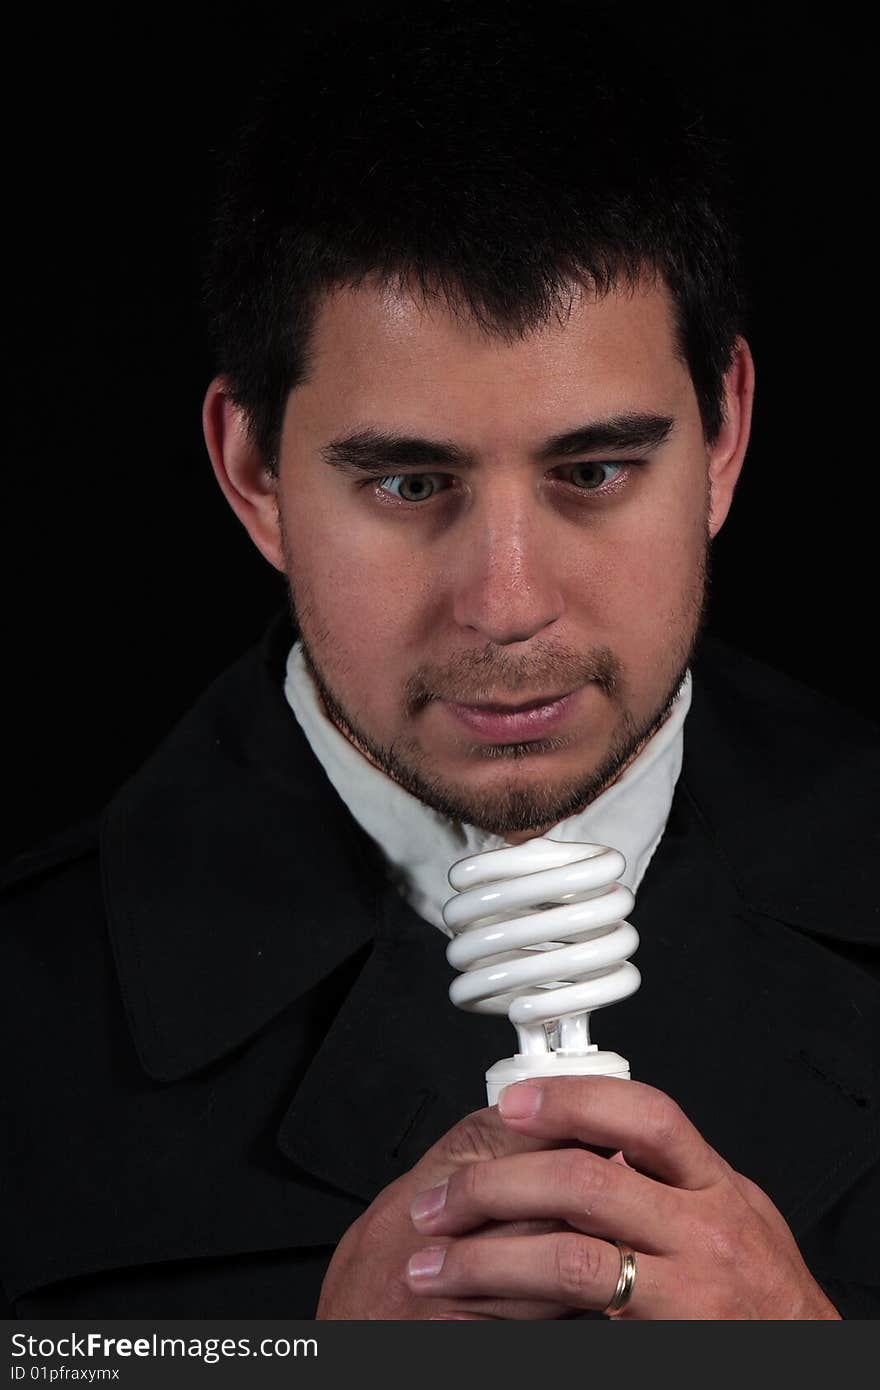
{"points": [[226, 893], [784, 778], [235, 879]]}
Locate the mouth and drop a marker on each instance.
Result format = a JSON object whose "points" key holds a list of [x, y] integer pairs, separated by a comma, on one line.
{"points": [[529, 720], [501, 707]]}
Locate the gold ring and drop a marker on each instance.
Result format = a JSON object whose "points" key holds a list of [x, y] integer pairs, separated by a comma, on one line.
{"points": [[626, 1280]]}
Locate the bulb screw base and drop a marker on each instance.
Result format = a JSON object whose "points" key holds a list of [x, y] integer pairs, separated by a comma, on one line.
{"points": [[526, 1067]]}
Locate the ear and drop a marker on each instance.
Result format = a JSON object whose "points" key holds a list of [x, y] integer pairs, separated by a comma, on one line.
{"points": [[246, 483], [727, 454]]}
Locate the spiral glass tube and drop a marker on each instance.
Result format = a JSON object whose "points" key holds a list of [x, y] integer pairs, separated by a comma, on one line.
{"points": [[539, 934]]}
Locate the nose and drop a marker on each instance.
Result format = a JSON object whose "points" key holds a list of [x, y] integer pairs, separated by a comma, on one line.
{"points": [[506, 585]]}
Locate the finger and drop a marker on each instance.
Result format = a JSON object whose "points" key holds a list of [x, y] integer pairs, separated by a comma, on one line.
{"points": [[509, 1310], [493, 1229], [480, 1135], [459, 1317], [653, 1133], [589, 1194], [571, 1270]]}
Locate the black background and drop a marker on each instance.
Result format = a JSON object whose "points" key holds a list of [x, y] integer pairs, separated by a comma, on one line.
{"points": [[129, 581]]}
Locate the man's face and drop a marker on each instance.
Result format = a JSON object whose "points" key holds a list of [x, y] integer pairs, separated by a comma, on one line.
{"points": [[495, 563]]}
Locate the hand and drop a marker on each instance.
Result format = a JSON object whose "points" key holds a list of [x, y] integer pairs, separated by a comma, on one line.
{"points": [[366, 1278], [710, 1244]]}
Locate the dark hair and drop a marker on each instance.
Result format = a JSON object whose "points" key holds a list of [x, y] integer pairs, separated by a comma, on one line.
{"points": [[491, 156]]}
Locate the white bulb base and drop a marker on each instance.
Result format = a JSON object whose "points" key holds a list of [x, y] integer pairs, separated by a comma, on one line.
{"points": [[527, 1067]]}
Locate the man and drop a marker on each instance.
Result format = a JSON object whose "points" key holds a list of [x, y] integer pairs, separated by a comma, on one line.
{"points": [[483, 399]]}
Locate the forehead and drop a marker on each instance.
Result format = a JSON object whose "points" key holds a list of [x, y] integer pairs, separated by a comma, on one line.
{"points": [[383, 355]]}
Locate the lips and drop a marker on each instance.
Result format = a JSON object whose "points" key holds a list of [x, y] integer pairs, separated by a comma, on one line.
{"points": [[514, 724], [501, 708]]}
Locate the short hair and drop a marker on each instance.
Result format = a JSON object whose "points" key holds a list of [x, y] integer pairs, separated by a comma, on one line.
{"points": [[494, 156]]}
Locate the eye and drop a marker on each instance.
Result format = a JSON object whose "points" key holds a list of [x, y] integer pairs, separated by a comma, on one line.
{"points": [[415, 487], [589, 477]]}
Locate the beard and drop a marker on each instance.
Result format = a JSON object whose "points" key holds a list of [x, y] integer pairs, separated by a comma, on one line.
{"points": [[527, 804]]}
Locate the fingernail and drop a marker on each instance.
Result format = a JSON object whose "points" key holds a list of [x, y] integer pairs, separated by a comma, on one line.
{"points": [[425, 1263], [519, 1102], [429, 1204]]}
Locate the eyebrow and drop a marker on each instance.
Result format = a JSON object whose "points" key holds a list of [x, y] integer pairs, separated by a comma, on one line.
{"points": [[372, 449]]}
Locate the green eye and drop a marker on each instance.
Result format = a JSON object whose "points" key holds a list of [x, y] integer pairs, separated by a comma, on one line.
{"points": [[593, 474], [419, 487]]}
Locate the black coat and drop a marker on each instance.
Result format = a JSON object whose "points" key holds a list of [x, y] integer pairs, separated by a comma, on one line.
{"points": [[230, 1031]]}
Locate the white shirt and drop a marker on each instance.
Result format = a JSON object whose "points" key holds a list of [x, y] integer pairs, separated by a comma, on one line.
{"points": [[419, 845]]}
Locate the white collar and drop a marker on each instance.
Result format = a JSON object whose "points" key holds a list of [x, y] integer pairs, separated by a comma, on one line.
{"points": [[420, 845]]}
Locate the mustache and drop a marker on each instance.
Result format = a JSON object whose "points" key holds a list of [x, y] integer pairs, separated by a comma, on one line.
{"points": [[476, 677]]}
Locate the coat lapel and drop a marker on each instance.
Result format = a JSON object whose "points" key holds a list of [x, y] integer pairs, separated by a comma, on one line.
{"points": [[764, 1036], [399, 1066], [235, 880]]}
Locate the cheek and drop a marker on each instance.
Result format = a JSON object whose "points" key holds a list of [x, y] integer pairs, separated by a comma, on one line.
{"points": [[362, 591], [673, 585], [664, 564], [641, 581]]}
